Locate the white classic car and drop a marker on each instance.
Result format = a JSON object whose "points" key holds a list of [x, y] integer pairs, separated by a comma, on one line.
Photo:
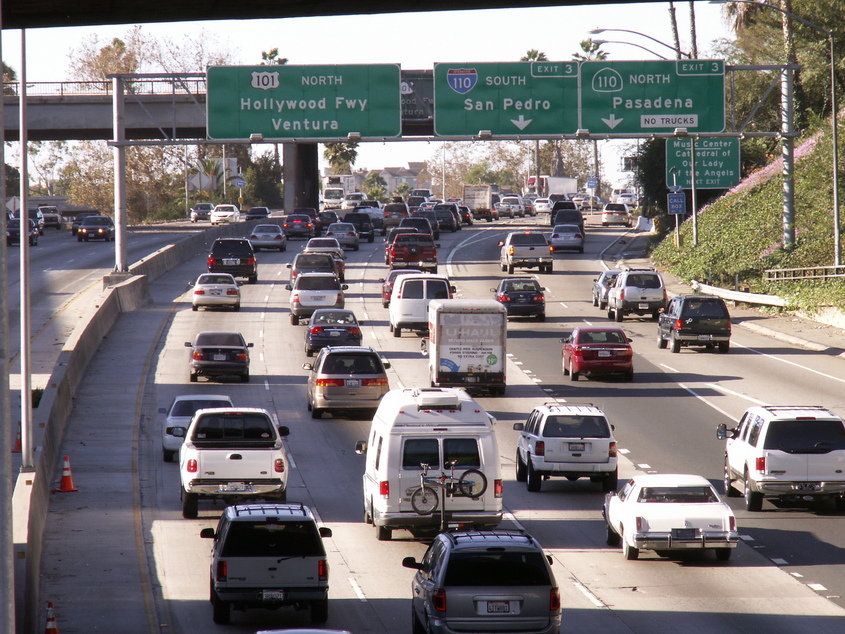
{"points": [[669, 512]]}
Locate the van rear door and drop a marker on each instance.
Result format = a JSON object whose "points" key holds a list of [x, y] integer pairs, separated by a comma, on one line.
{"points": [[802, 449]]}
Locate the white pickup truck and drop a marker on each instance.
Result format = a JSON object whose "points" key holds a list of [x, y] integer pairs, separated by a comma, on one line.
{"points": [[234, 454]]}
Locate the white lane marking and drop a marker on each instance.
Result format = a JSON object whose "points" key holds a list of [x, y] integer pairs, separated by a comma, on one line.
{"points": [[548, 391], [624, 451], [787, 361], [536, 380], [267, 297], [720, 388], [266, 385], [261, 356], [817, 587], [562, 304], [746, 538], [644, 466], [586, 592], [510, 355], [589, 323], [527, 371], [357, 589], [291, 461], [517, 362], [671, 369], [797, 575], [261, 333], [705, 401], [779, 562]]}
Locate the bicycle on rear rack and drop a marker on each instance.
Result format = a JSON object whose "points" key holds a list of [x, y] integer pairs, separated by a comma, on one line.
{"points": [[425, 499]]}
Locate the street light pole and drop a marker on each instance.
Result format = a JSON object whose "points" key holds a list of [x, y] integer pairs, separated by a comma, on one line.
{"points": [[653, 39], [600, 42]]}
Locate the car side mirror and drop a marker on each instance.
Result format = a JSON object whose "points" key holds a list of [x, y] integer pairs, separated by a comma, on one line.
{"points": [[307, 366], [288, 287], [385, 363], [500, 244], [410, 562], [629, 340], [519, 426], [437, 244], [453, 288], [344, 286], [284, 430], [188, 344], [250, 345], [549, 559], [178, 432], [722, 432], [207, 533], [493, 290], [381, 280], [325, 531], [288, 265], [361, 447]]}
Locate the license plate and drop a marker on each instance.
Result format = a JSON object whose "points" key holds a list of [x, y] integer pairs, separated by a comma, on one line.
{"points": [[683, 533], [807, 486], [232, 487], [643, 306], [215, 291], [272, 595], [576, 446], [353, 383], [334, 333], [231, 261], [318, 298], [705, 337], [219, 357], [498, 607], [605, 353], [471, 379]]}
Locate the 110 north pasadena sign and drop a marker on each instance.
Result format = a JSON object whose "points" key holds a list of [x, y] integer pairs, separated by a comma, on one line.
{"points": [[288, 102]]}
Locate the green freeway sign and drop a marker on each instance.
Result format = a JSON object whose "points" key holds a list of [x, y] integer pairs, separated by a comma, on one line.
{"points": [[290, 102], [508, 98], [652, 96], [716, 163]]}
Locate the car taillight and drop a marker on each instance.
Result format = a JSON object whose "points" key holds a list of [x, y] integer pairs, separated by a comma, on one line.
{"points": [[310, 224], [222, 570], [578, 235], [540, 448], [198, 355], [551, 249], [316, 330], [611, 450], [538, 298], [279, 465], [242, 356], [439, 600], [554, 600], [232, 291], [192, 465], [253, 237], [384, 488], [679, 323], [329, 382], [374, 382], [351, 233], [503, 298], [640, 522], [211, 260], [250, 261], [498, 488], [554, 235], [732, 523], [760, 464], [622, 294], [286, 225], [199, 291], [295, 298], [354, 330], [323, 570], [577, 350]]}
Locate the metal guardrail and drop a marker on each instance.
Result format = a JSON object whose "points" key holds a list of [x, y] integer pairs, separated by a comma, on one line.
{"points": [[738, 296], [160, 86], [804, 273]]}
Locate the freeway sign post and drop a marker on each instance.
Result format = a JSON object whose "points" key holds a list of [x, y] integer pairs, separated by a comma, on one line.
{"points": [[508, 98], [303, 102], [716, 162], [652, 96]]}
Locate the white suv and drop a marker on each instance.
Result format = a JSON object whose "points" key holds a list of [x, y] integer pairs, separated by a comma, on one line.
{"points": [[636, 290], [791, 452], [573, 441]]}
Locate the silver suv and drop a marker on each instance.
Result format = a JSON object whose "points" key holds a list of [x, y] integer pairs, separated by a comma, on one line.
{"points": [[267, 556], [573, 441], [637, 290], [791, 452], [484, 581]]}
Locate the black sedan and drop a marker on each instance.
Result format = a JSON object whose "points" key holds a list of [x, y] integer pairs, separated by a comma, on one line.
{"points": [[13, 232], [298, 226], [522, 297], [331, 327], [95, 228], [217, 353]]}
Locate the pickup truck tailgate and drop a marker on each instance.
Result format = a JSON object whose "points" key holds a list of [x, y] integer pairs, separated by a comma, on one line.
{"points": [[235, 464]]}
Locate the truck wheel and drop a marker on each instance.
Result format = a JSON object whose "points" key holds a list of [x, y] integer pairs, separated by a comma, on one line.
{"points": [[222, 613], [723, 554], [724, 347], [610, 313], [676, 343], [397, 331], [383, 533], [521, 473], [727, 482], [320, 611], [193, 377], [618, 315], [661, 342], [610, 481], [190, 505], [753, 499], [612, 538], [245, 377], [533, 480], [294, 320], [167, 455], [316, 412], [504, 268], [510, 269], [490, 219], [630, 552]]}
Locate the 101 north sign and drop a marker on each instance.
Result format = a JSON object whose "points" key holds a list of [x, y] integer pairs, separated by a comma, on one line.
{"points": [[288, 102]]}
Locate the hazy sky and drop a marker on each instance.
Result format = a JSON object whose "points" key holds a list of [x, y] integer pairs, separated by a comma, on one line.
{"points": [[414, 40]]}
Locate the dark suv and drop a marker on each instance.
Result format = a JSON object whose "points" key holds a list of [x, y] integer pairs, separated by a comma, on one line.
{"points": [[484, 581], [363, 224], [448, 216], [565, 212], [234, 256], [695, 320], [267, 556]]}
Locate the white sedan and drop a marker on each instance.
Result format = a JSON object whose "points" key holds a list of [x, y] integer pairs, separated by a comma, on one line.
{"points": [[543, 206], [224, 213], [669, 512], [215, 289]]}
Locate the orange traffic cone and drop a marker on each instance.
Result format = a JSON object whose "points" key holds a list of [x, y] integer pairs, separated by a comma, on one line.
{"points": [[66, 484], [17, 446], [52, 627]]}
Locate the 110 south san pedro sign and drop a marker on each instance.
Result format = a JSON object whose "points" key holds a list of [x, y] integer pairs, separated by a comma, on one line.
{"points": [[285, 102]]}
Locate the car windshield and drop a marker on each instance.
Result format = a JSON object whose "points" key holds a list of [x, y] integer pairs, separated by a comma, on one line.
{"points": [[561, 426], [707, 308], [496, 568], [420, 239], [601, 336], [334, 317], [528, 239], [272, 539], [219, 339], [566, 229], [678, 495], [520, 286], [395, 207], [267, 229], [643, 281], [340, 227], [216, 279], [317, 283], [189, 407], [615, 207], [103, 222], [313, 259], [802, 436], [352, 364], [299, 218], [322, 243]]}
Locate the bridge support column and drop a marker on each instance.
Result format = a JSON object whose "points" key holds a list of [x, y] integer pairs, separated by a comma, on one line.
{"points": [[301, 174], [119, 151]]}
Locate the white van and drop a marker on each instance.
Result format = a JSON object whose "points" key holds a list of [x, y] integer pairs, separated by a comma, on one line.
{"points": [[410, 297], [441, 434]]}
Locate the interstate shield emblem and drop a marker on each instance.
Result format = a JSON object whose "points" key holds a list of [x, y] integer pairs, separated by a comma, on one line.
{"points": [[462, 80]]}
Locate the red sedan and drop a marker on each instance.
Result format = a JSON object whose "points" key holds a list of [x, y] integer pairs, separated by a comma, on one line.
{"points": [[600, 350]]}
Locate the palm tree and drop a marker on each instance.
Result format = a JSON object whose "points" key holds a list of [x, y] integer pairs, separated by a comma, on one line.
{"points": [[341, 156]]}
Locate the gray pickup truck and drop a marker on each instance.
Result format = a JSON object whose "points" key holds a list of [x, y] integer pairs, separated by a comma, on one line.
{"points": [[526, 250]]}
